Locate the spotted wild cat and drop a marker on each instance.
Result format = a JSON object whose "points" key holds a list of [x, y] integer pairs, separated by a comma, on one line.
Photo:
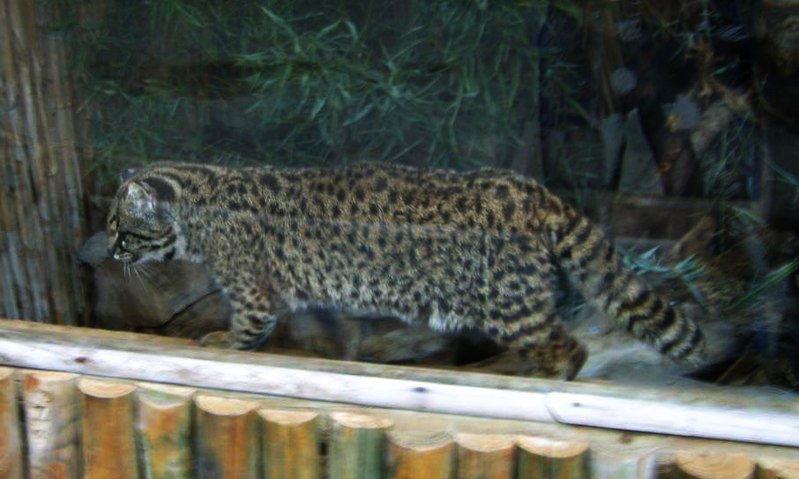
{"points": [[479, 249]]}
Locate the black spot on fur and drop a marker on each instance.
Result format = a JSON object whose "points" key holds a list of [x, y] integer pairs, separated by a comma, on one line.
{"points": [[508, 209], [270, 182], [502, 191]]}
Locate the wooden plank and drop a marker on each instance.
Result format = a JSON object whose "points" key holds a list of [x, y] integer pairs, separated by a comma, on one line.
{"points": [[226, 437], [357, 446], [109, 448], [698, 413], [52, 429], [543, 457], [290, 444], [485, 456], [707, 465], [163, 431], [415, 454], [11, 466]]}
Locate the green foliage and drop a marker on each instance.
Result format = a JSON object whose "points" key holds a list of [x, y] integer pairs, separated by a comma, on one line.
{"points": [[444, 83], [783, 176], [729, 163], [767, 283]]}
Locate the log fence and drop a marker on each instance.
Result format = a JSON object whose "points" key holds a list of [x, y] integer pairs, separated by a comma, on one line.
{"points": [[71, 424], [80, 426]]}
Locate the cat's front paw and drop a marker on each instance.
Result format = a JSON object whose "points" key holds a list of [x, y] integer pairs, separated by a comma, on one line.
{"points": [[217, 339]]}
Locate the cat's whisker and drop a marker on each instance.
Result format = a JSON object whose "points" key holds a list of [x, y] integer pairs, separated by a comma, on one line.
{"points": [[138, 275], [146, 272]]}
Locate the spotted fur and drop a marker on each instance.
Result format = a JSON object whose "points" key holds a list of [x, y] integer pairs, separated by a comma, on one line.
{"points": [[480, 249]]}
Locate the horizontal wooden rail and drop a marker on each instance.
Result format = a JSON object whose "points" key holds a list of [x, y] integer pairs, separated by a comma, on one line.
{"points": [[147, 358]]}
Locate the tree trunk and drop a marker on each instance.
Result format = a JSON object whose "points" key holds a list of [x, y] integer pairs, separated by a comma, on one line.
{"points": [[41, 196]]}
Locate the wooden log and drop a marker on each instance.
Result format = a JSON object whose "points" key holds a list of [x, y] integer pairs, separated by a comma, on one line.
{"points": [[109, 448], [226, 441], [617, 461], [290, 444], [692, 465], [485, 456], [357, 446], [11, 466], [774, 468], [695, 412], [51, 410], [413, 454], [163, 431], [542, 457]]}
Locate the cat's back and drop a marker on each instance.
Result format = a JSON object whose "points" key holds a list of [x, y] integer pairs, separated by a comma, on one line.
{"points": [[484, 199]]}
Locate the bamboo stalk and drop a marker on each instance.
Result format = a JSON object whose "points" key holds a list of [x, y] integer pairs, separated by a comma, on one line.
{"points": [[52, 425], [412, 455], [290, 444], [226, 437], [163, 431], [773, 468], [620, 462], [11, 466], [485, 456], [109, 448], [542, 457], [691, 465], [357, 446]]}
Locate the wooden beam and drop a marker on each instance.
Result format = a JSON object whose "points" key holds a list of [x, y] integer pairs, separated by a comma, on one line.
{"points": [[10, 434], [544, 457], [52, 425], [290, 444], [485, 456], [413, 454], [108, 440], [772, 468], [153, 359], [226, 437], [692, 465], [612, 460], [357, 446], [163, 428]]}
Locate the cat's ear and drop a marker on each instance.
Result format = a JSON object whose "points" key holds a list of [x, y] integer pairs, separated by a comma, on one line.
{"points": [[139, 198], [149, 195], [126, 173], [162, 189]]}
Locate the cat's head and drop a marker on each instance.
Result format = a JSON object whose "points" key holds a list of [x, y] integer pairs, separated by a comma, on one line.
{"points": [[141, 223]]}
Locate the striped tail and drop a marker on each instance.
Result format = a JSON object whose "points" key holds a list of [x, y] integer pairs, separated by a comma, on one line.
{"points": [[596, 269]]}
